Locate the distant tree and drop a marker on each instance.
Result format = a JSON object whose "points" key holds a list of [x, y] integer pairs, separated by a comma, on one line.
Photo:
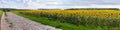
{"points": [[93, 9]]}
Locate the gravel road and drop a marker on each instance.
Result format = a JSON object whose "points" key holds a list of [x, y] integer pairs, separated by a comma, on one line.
{"points": [[16, 22]]}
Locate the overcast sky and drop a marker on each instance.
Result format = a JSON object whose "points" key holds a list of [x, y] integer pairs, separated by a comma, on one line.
{"points": [[34, 4]]}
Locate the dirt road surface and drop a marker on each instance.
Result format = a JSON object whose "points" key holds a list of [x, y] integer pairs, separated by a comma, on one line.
{"points": [[15, 22]]}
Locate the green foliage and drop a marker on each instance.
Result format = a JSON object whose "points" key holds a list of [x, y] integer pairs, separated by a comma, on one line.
{"points": [[0, 14], [93, 9]]}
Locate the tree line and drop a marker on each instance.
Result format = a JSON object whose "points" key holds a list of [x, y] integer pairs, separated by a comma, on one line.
{"points": [[93, 9]]}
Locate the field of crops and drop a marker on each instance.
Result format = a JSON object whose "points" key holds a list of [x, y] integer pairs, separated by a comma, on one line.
{"points": [[0, 14], [96, 18]]}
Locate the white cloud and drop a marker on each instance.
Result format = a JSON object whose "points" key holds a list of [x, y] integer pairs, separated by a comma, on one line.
{"points": [[34, 4], [106, 6], [4, 2]]}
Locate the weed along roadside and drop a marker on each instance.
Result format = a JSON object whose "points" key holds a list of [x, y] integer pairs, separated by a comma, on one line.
{"points": [[5, 14]]}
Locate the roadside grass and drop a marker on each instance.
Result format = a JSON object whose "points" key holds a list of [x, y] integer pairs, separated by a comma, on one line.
{"points": [[0, 14], [64, 26], [5, 14]]}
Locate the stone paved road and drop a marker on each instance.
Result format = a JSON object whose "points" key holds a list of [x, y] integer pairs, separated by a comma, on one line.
{"points": [[20, 23]]}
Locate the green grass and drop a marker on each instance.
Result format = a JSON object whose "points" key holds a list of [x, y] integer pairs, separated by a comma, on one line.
{"points": [[0, 14], [64, 26], [5, 14]]}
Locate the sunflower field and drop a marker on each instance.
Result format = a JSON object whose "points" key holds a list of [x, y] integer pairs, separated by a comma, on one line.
{"points": [[101, 18]]}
